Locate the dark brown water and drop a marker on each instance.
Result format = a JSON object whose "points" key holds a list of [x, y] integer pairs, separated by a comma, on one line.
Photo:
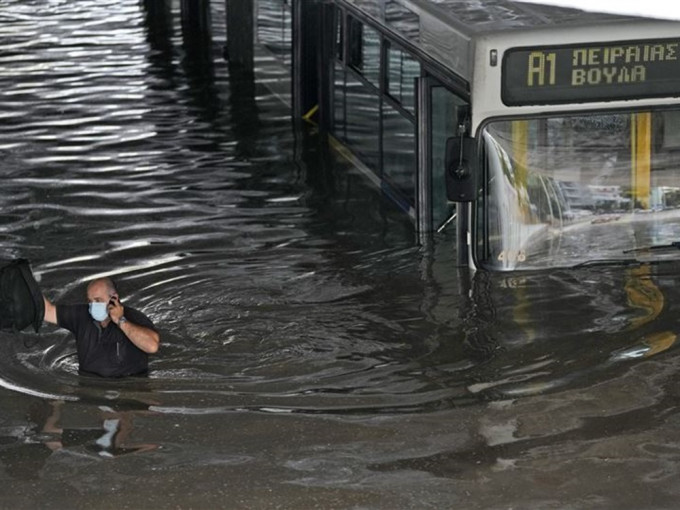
{"points": [[313, 356]]}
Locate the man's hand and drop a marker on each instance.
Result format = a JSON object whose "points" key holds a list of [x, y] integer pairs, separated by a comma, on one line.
{"points": [[115, 309], [50, 312]]}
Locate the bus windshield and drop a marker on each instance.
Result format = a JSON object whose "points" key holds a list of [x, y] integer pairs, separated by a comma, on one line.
{"points": [[578, 189]]}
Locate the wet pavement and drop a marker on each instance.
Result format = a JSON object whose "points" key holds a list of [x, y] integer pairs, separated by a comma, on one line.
{"points": [[313, 356]]}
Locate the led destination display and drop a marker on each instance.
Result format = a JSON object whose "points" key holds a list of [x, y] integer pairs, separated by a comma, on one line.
{"points": [[592, 72]]}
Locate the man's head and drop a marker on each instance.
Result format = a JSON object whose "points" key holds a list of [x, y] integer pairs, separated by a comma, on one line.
{"points": [[99, 294], [101, 290]]}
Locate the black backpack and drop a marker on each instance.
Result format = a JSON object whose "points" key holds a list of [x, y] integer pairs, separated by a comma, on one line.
{"points": [[21, 301]]}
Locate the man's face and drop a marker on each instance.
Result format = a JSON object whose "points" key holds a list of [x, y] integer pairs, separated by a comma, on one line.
{"points": [[98, 293]]}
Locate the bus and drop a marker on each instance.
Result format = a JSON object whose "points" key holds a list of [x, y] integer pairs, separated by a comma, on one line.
{"points": [[551, 135]]}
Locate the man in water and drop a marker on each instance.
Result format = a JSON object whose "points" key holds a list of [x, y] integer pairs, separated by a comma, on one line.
{"points": [[112, 340]]}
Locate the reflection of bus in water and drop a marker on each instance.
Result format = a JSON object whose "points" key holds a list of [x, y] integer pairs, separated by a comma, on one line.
{"points": [[551, 134]]}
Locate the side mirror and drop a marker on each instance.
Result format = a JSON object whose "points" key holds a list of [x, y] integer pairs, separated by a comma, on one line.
{"points": [[461, 169]]}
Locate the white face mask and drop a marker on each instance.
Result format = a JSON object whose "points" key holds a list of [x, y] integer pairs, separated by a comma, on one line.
{"points": [[99, 311]]}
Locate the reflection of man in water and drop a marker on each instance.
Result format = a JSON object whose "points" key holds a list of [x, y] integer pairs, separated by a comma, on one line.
{"points": [[112, 340], [111, 440], [24, 455]]}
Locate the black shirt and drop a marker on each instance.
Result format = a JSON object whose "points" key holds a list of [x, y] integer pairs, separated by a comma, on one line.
{"points": [[104, 351]]}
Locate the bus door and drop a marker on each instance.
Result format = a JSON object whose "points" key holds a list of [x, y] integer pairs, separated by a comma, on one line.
{"points": [[439, 113]]}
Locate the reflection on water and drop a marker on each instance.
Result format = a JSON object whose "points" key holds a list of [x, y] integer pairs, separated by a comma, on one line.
{"points": [[312, 355]]}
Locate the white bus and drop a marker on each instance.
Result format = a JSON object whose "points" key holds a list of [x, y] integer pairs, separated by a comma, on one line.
{"points": [[552, 134], [579, 131]]}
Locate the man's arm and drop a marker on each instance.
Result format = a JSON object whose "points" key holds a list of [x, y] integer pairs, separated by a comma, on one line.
{"points": [[145, 338], [50, 312]]}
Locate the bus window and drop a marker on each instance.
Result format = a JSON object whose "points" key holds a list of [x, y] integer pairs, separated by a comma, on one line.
{"points": [[354, 36], [339, 120], [567, 190], [671, 130], [362, 121], [364, 50], [402, 71], [339, 35], [399, 151]]}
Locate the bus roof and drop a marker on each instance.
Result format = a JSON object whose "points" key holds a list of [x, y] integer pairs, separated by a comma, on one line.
{"points": [[474, 16], [447, 29], [460, 35], [471, 17]]}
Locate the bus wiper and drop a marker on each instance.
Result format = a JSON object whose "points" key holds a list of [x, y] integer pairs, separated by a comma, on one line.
{"points": [[673, 245], [606, 262]]}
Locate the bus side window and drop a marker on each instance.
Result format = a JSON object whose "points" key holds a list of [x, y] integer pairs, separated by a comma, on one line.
{"points": [[364, 50], [355, 40], [339, 35], [402, 72]]}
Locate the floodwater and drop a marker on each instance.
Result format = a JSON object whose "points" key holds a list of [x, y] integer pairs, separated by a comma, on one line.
{"points": [[313, 355]]}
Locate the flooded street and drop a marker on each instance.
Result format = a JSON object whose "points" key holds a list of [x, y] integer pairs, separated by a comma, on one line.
{"points": [[313, 355]]}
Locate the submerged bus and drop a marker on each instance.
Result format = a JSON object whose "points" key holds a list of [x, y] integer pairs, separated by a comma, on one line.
{"points": [[552, 135]]}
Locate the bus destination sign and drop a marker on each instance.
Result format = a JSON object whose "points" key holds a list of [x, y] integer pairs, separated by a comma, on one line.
{"points": [[591, 72]]}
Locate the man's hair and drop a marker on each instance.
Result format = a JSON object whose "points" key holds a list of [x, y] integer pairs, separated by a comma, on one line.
{"points": [[110, 285]]}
